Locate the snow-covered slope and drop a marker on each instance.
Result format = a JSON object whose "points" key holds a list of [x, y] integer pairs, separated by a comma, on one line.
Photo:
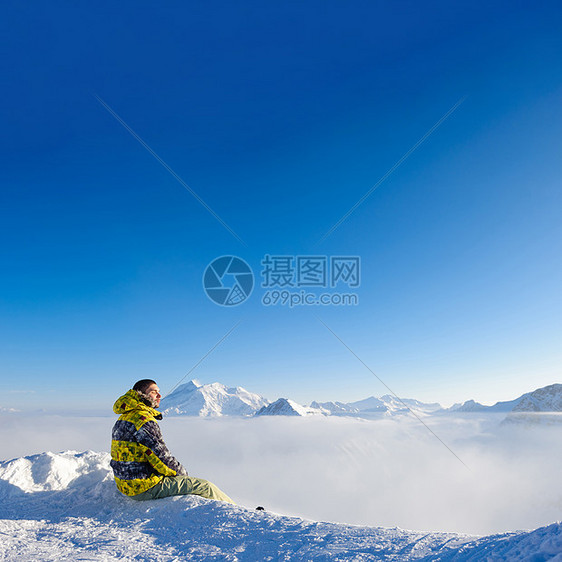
{"points": [[65, 506], [546, 399], [543, 406], [286, 407], [215, 399]]}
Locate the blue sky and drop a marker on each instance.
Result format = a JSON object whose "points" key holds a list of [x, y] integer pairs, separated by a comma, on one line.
{"points": [[280, 116]]}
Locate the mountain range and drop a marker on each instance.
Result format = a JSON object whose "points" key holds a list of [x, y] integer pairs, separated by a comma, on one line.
{"points": [[216, 399]]}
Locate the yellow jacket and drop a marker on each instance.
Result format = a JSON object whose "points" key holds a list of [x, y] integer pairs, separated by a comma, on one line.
{"points": [[139, 456]]}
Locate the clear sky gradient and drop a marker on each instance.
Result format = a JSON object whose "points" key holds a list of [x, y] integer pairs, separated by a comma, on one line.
{"points": [[280, 116]]}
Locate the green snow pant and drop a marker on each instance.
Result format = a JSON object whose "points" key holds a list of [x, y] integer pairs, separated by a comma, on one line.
{"points": [[181, 486]]}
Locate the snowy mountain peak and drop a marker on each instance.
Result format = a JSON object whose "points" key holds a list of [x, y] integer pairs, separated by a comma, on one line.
{"points": [[214, 399], [546, 399], [389, 405], [469, 406], [286, 407], [395, 404], [371, 404], [542, 406], [335, 408]]}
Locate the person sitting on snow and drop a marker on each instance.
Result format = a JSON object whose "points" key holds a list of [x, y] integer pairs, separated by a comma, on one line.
{"points": [[143, 467]]}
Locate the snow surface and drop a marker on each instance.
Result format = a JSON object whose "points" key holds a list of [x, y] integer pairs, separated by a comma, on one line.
{"points": [[64, 506]]}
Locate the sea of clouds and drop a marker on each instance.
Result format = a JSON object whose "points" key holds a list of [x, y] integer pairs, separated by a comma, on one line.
{"points": [[391, 472]]}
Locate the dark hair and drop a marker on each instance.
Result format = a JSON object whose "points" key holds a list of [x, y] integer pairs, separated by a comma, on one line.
{"points": [[143, 385]]}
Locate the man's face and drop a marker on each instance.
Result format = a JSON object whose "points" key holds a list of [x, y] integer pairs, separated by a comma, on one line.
{"points": [[154, 392]]}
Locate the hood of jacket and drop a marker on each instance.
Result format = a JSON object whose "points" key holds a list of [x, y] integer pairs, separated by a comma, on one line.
{"points": [[133, 400]]}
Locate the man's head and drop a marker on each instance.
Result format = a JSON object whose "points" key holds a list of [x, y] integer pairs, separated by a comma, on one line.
{"points": [[149, 390]]}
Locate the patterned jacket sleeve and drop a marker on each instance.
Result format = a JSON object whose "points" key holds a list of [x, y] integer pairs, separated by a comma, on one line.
{"points": [[158, 455]]}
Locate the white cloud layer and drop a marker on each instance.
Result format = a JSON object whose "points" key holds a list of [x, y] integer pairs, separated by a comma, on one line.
{"points": [[389, 473]]}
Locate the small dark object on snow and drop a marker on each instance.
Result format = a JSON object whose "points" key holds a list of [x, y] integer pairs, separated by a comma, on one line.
{"points": [[260, 508]]}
